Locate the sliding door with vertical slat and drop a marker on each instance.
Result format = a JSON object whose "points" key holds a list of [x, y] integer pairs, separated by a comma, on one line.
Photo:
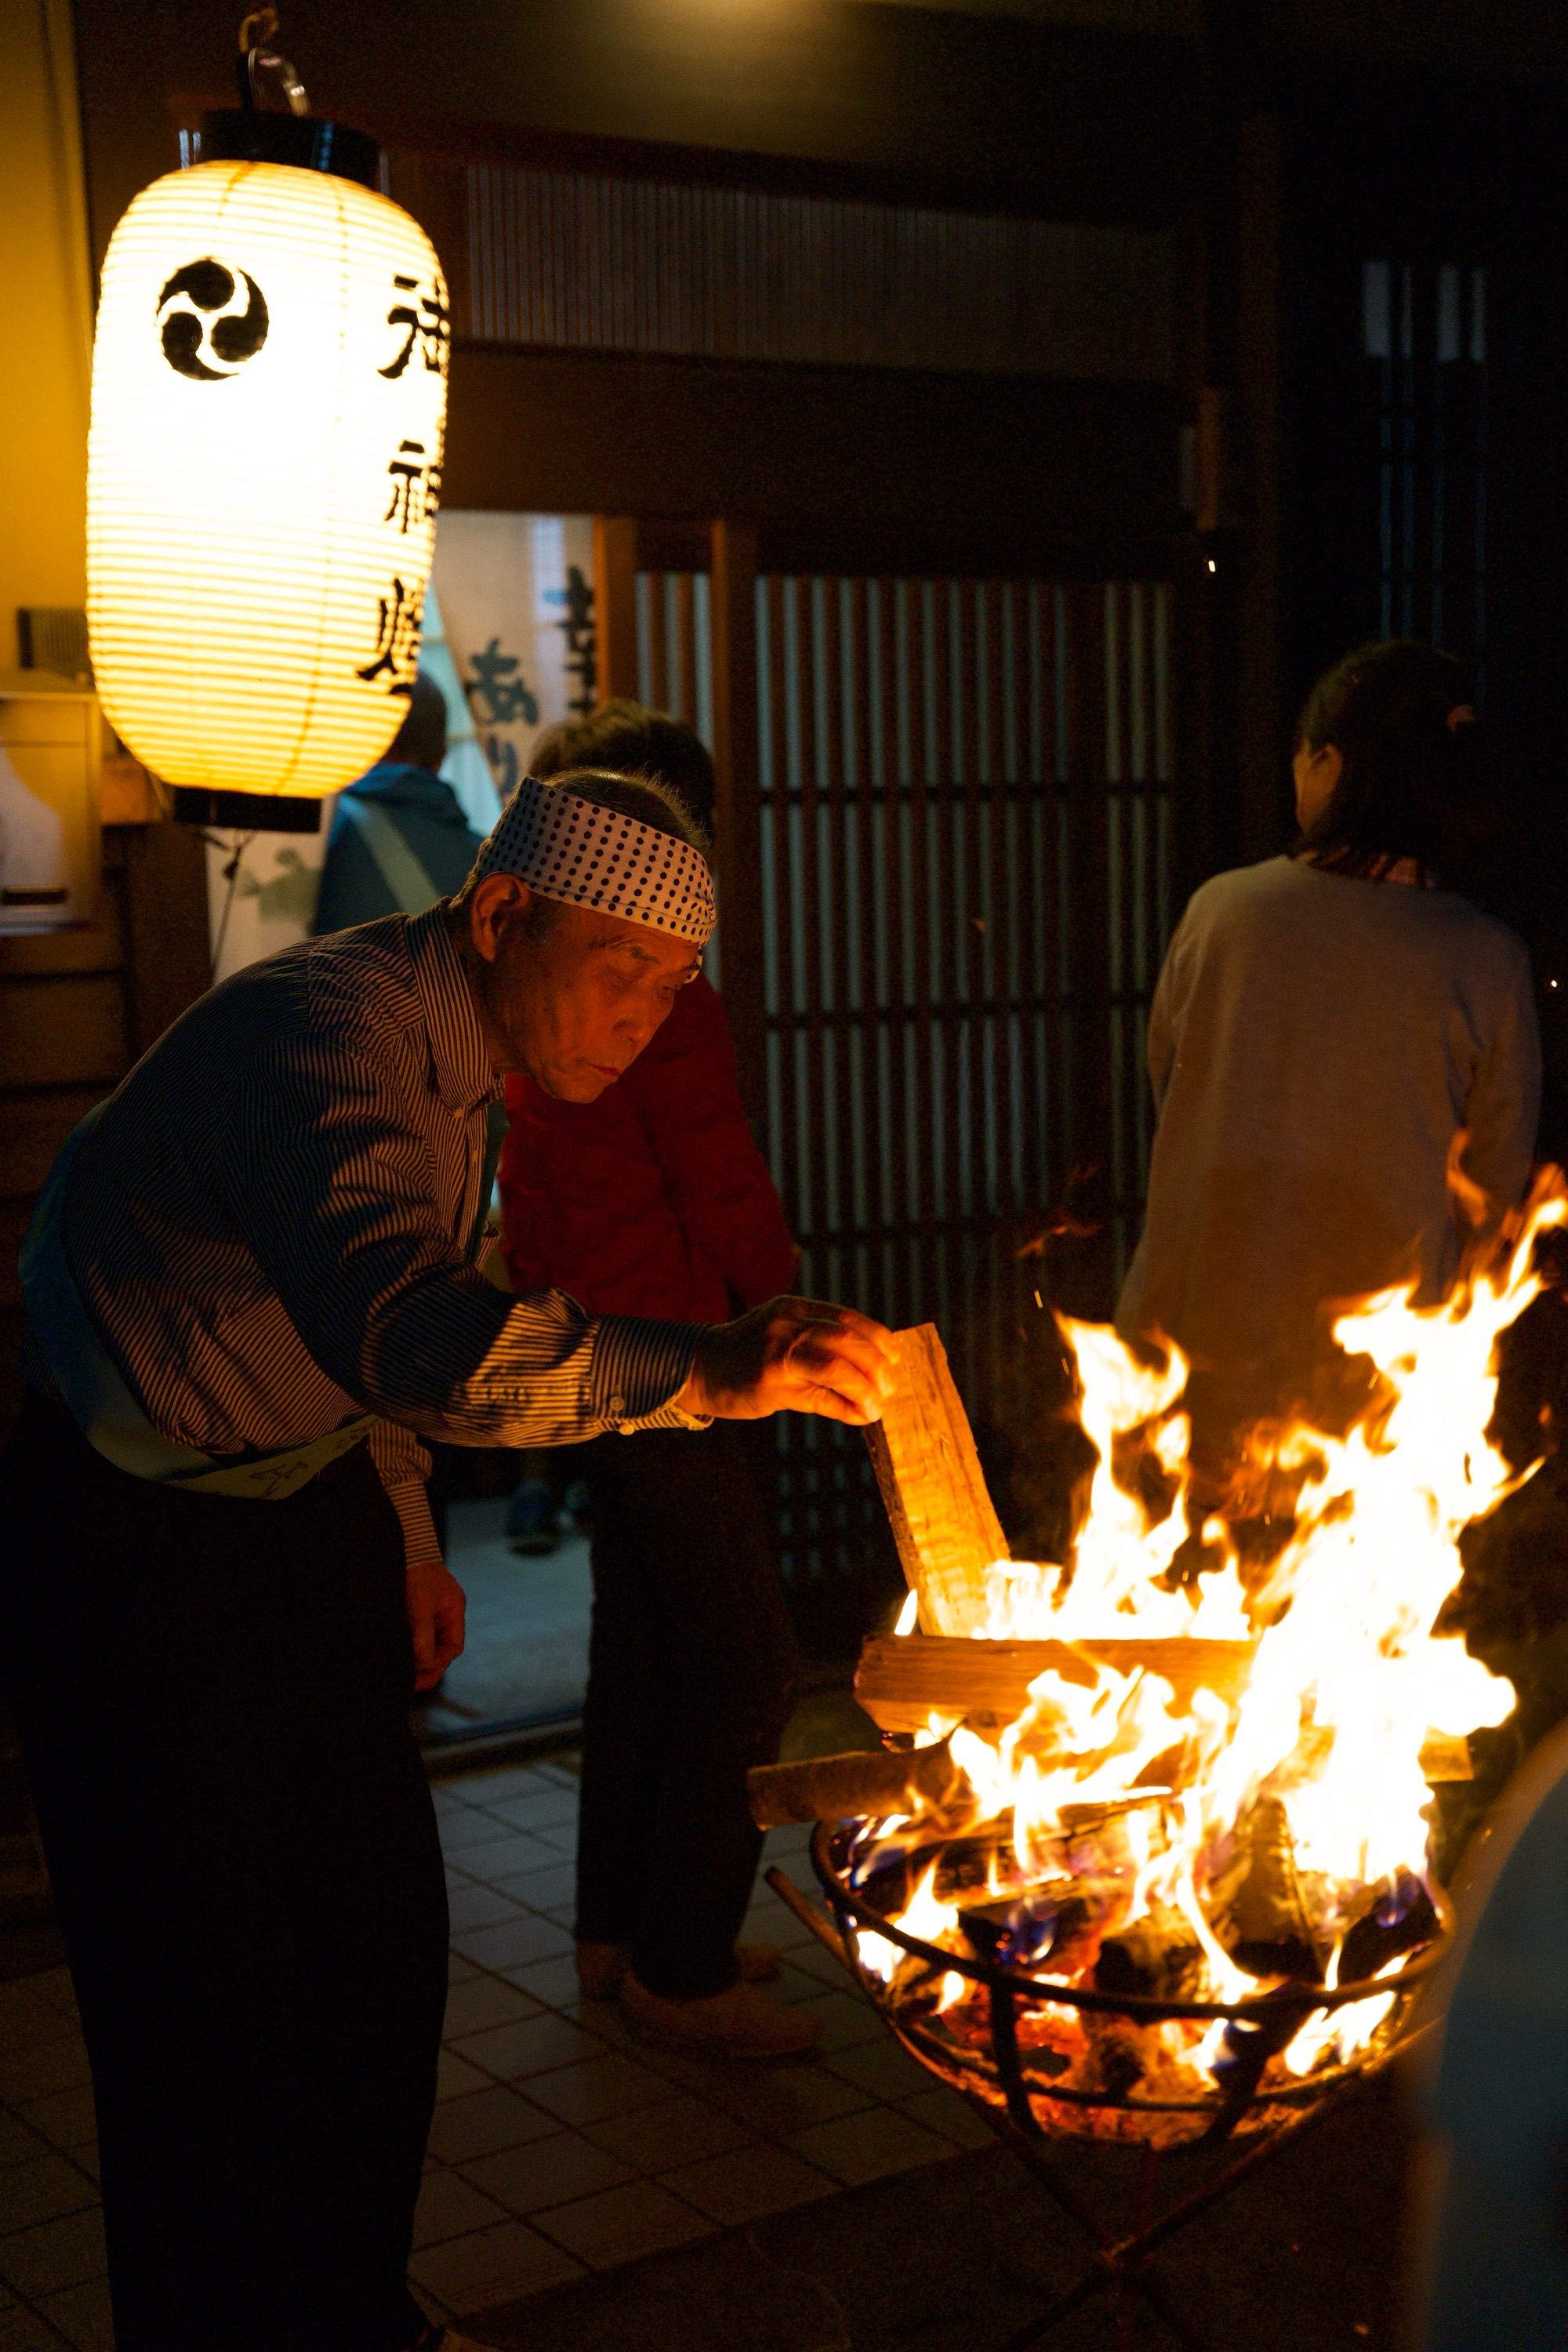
{"points": [[964, 849]]}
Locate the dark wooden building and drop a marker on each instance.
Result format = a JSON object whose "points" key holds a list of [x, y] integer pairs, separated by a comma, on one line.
{"points": [[1007, 409]]}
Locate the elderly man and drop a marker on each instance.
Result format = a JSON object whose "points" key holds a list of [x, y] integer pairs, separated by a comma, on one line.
{"points": [[249, 1299]]}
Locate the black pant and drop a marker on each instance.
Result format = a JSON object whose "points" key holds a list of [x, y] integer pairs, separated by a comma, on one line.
{"points": [[690, 1673], [214, 1697]]}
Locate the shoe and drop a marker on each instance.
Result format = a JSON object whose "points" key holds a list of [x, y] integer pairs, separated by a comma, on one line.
{"points": [[601, 1967], [531, 1519], [740, 2023]]}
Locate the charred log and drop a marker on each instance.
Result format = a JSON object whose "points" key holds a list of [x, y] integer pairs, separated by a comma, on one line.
{"points": [[1262, 1918], [1158, 1955], [871, 1784], [1397, 1919]]}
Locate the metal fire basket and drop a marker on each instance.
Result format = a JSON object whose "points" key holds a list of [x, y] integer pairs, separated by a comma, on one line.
{"points": [[1029, 2106]]}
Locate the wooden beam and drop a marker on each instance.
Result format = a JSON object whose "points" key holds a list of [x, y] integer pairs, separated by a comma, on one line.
{"points": [[943, 1520], [902, 1679], [615, 605], [737, 817], [168, 950], [885, 469]]}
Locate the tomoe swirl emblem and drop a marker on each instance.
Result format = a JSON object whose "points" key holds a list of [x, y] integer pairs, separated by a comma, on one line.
{"points": [[214, 319]]}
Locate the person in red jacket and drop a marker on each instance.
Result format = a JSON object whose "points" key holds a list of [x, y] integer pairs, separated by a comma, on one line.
{"points": [[655, 1200]]}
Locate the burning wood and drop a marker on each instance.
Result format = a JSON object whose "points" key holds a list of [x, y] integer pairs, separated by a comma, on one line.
{"points": [[867, 1782], [1180, 1790], [944, 1522], [901, 1681]]}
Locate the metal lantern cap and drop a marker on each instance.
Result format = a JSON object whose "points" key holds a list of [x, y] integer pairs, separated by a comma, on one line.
{"points": [[248, 135]]}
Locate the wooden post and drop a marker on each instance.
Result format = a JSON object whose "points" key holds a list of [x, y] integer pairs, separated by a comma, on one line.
{"points": [[944, 1523], [737, 819], [615, 605], [1262, 753]]}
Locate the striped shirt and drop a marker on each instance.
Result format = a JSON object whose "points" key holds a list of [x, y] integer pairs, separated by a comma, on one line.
{"points": [[268, 1226]]}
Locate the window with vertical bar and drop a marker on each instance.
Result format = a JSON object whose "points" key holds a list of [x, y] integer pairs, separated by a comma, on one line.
{"points": [[1425, 340]]}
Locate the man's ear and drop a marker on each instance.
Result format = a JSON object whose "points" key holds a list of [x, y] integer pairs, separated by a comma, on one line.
{"points": [[494, 903]]}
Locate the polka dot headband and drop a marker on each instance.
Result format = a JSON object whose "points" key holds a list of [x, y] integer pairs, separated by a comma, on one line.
{"points": [[568, 848]]}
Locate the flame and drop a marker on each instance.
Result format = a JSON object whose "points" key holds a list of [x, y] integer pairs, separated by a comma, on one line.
{"points": [[1163, 1808]]}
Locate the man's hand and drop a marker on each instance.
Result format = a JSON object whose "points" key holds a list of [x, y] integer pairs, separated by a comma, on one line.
{"points": [[794, 1355], [436, 1606]]}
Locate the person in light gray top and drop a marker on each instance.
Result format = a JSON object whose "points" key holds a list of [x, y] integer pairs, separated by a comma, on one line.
{"points": [[1326, 1026]]}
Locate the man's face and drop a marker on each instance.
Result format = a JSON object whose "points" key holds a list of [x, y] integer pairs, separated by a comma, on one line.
{"points": [[569, 995]]}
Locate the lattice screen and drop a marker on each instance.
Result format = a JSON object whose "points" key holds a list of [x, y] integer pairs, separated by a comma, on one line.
{"points": [[965, 846], [1424, 332]]}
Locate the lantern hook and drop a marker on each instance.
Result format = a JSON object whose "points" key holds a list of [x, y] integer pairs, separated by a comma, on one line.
{"points": [[257, 56]]}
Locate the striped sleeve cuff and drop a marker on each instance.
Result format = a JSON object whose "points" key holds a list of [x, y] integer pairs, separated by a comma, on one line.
{"points": [[411, 1501], [638, 1369]]}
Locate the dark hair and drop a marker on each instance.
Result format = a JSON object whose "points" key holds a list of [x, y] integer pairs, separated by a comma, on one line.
{"points": [[622, 738], [421, 741], [1413, 783]]}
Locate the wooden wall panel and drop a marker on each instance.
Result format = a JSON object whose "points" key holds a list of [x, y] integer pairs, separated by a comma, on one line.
{"points": [[66, 1030], [75, 1009], [587, 261], [876, 468]]}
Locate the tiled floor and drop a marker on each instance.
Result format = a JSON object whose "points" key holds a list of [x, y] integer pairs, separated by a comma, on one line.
{"points": [[525, 1658], [561, 2145]]}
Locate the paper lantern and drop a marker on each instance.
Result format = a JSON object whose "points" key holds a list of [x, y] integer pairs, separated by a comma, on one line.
{"points": [[269, 402]]}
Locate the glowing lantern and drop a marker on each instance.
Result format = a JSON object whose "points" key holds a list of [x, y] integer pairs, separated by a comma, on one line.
{"points": [[269, 402]]}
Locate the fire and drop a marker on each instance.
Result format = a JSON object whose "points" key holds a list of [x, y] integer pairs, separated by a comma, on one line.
{"points": [[1221, 1846]]}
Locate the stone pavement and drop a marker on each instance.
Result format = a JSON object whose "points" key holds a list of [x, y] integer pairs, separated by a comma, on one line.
{"points": [[561, 2148]]}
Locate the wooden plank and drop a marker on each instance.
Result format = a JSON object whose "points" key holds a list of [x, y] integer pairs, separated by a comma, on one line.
{"points": [[900, 1679], [873, 1782], [943, 1520]]}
